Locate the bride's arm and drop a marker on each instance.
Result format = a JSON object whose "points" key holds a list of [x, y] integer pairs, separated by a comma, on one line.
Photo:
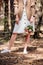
{"points": [[15, 7]]}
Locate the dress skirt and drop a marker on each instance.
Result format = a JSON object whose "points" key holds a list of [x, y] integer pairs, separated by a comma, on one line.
{"points": [[20, 28]]}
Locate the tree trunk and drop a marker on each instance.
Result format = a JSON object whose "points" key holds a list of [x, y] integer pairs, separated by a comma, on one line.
{"points": [[39, 18], [37, 31], [12, 15], [6, 25]]}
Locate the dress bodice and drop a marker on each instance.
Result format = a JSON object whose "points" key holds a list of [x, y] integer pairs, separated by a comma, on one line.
{"points": [[24, 15]]}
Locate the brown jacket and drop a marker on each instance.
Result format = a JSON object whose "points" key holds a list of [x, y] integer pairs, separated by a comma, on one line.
{"points": [[30, 11]]}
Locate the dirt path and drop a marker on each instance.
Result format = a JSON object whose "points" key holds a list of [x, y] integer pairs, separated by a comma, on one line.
{"points": [[16, 57]]}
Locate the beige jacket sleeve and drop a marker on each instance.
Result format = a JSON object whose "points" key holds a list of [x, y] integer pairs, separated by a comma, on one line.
{"points": [[32, 7]]}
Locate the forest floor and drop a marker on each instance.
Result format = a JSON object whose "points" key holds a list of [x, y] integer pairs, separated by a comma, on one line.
{"points": [[16, 57]]}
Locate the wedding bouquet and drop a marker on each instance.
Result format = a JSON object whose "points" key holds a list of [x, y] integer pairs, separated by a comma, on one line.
{"points": [[29, 28]]}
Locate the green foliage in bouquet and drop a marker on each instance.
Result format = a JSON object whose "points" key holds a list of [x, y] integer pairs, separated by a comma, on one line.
{"points": [[30, 28]]}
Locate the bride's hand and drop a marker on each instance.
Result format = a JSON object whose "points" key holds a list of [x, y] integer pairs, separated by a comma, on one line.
{"points": [[17, 19], [32, 19]]}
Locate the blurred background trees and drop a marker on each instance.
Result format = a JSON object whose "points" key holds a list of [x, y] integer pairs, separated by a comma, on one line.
{"points": [[7, 13]]}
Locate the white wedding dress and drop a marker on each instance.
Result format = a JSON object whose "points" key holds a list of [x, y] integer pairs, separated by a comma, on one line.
{"points": [[24, 22]]}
